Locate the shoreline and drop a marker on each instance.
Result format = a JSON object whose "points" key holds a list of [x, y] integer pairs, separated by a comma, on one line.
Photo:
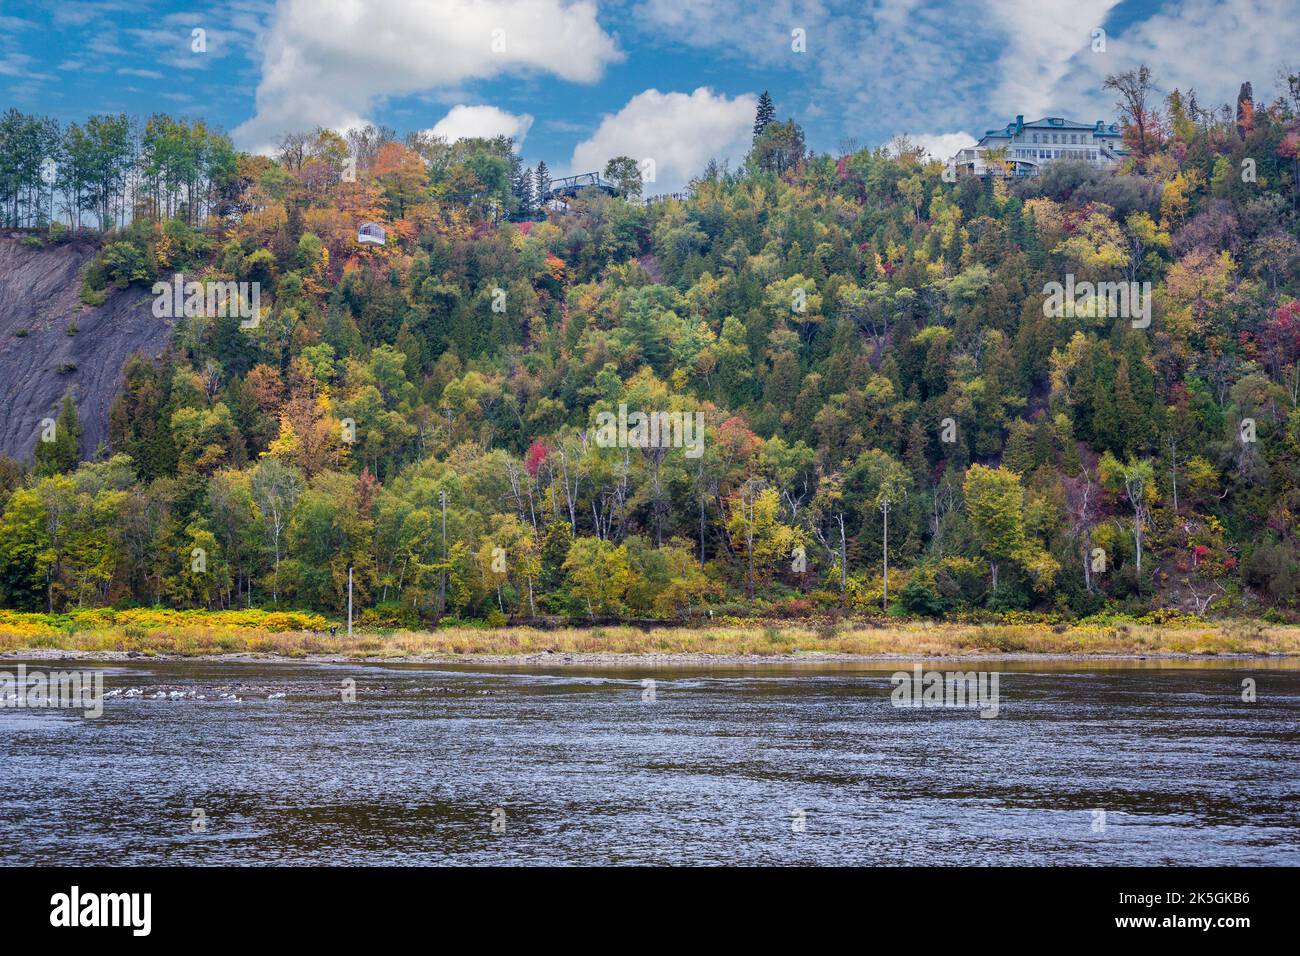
{"points": [[730, 644], [650, 659]]}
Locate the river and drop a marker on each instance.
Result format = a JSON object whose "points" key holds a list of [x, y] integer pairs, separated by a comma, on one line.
{"points": [[1140, 762]]}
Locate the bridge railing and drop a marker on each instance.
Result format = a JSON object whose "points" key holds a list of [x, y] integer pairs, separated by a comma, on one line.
{"points": [[571, 184]]}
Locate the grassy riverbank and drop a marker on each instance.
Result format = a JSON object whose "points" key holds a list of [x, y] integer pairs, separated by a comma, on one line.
{"points": [[278, 636]]}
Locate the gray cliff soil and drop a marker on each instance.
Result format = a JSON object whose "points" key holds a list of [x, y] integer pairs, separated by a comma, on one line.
{"points": [[39, 292]]}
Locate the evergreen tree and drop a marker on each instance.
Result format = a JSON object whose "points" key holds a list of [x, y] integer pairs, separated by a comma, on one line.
{"points": [[1245, 111], [542, 178], [521, 186], [1034, 249], [764, 115], [1019, 455], [61, 454]]}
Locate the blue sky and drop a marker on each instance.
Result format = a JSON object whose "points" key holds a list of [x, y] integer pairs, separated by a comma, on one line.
{"points": [[671, 80]]}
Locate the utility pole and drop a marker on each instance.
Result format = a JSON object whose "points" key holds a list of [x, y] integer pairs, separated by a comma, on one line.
{"points": [[884, 509], [349, 601], [442, 578]]}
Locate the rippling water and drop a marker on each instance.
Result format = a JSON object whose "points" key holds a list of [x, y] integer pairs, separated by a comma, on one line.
{"points": [[562, 766]]}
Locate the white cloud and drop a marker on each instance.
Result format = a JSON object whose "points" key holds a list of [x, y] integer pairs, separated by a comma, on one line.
{"points": [[19, 65], [760, 32], [1045, 38], [326, 62], [680, 132], [942, 145], [464, 122], [874, 65], [878, 67], [1213, 46], [1209, 45]]}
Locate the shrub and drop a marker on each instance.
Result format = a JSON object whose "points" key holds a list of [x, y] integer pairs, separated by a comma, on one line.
{"points": [[124, 263], [1273, 568], [1006, 597], [922, 597], [93, 297], [390, 614]]}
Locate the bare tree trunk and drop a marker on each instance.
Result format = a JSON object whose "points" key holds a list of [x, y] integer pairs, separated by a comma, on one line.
{"points": [[844, 556], [749, 542]]}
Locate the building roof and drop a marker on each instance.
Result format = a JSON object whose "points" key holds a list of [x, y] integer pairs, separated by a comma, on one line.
{"points": [[1099, 128]]}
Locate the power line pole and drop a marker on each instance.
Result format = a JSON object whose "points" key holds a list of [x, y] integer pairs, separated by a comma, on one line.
{"points": [[442, 578], [349, 602]]}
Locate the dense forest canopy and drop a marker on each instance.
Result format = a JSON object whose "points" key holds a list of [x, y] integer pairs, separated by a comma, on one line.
{"points": [[893, 422]]}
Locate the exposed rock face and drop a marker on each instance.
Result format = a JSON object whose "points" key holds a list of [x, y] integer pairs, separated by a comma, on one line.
{"points": [[39, 291]]}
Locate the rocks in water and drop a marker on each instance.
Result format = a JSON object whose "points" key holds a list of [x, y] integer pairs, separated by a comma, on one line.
{"points": [[302, 691]]}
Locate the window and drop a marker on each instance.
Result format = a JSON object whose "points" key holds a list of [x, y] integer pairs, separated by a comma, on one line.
{"points": [[371, 233]]}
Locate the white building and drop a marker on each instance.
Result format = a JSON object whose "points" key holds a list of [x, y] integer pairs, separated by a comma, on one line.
{"points": [[1026, 147]]}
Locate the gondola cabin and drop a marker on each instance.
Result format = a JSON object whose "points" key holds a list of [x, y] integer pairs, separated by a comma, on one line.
{"points": [[372, 233]]}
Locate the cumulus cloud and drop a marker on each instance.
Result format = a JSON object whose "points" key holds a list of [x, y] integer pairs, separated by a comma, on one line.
{"points": [[1049, 67], [680, 132], [465, 122], [871, 65], [1209, 45], [1046, 41], [874, 68], [941, 145], [327, 62]]}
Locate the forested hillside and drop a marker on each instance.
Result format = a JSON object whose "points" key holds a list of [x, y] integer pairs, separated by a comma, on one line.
{"points": [[893, 423]]}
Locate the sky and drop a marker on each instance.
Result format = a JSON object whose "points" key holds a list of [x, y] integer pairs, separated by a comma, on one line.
{"points": [[674, 81]]}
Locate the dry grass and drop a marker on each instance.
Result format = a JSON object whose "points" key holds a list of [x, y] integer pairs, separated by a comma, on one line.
{"points": [[918, 639]]}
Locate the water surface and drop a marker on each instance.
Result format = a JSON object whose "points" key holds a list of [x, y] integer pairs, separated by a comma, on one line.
{"points": [[785, 765]]}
